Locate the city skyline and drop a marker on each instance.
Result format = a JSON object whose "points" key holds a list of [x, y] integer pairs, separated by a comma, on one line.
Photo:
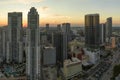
{"points": [[60, 11], [69, 47]]}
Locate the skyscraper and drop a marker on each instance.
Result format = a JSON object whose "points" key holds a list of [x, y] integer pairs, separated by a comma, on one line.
{"points": [[14, 43], [66, 38], [92, 30], [58, 44], [102, 33], [109, 27], [4, 42], [2, 57], [3, 38], [59, 27], [66, 27], [33, 45], [47, 27]]}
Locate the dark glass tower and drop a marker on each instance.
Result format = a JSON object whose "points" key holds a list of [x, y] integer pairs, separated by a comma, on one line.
{"points": [[58, 44], [92, 30], [109, 27]]}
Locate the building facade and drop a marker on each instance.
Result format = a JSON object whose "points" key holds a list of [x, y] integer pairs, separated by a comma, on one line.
{"points": [[102, 33], [58, 44], [14, 43], [108, 28], [72, 68], [49, 56], [92, 30], [3, 43], [33, 46], [66, 38]]}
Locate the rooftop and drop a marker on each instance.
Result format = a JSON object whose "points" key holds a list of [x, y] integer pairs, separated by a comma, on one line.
{"points": [[72, 61]]}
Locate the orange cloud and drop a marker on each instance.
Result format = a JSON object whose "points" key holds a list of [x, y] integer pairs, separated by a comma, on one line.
{"points": [[55, 19], [45, 8]]}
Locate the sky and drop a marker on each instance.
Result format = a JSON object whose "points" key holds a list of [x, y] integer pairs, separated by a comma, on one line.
{"points": [[60, 11]]}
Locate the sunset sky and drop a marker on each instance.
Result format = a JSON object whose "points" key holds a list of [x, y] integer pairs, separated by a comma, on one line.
{"points": [[60, 11]]}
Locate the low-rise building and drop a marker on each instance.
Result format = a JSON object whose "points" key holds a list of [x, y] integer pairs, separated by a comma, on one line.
{"points": [[50, 73], [72, 68], [49, 56], [94, 55], [76, 49]]}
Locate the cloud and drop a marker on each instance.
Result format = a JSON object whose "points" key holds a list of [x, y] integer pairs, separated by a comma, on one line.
{"points": [[55, 16], [20, 1], [61, 16], [44, 8], [29, 1], [56, 19]]}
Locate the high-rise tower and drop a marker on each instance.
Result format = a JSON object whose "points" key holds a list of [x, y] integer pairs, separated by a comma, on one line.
{"points": [[3, 43], [33, 45], [14, 43], [109, 27], [66, 38], [102, 33], [92, 30]]}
